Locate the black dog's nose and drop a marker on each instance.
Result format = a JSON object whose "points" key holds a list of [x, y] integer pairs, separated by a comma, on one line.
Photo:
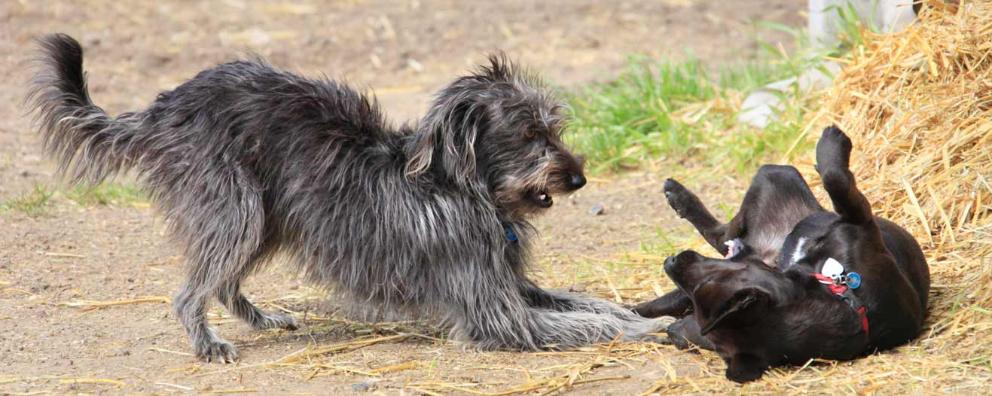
{"points": [[670, 264], [577, 181]]}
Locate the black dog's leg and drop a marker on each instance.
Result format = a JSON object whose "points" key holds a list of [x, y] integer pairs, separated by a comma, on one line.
{"points": [[833, 154], [685, 332], [745, 367], [688, 206], [674, 303]]}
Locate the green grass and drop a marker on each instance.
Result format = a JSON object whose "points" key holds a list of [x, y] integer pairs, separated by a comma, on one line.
{"points": [[32, 204], [106, 194], [620, 123], [678, 110], [39, 200]]}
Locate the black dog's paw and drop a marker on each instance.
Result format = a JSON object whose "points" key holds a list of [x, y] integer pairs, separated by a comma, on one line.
{"points": [[743, 368], [833, 151], [680, 342], [679, 198], [676, 334]]}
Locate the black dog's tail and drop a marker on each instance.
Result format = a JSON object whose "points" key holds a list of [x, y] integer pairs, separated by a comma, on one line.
{"points": [[88, 144]]}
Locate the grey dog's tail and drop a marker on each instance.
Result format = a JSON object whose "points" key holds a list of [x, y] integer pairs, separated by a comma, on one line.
{"points": [[88, 144]]}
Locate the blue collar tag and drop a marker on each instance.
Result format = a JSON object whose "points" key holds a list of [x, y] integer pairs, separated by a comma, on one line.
{"points": [[853, 280], [510, 235]]}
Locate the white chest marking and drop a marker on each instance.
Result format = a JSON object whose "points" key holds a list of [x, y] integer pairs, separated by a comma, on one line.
{"points": [[799, 253]]}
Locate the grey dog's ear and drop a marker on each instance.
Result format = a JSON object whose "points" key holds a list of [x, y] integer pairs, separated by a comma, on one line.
{"points": [[446, 138], [447, 135]]}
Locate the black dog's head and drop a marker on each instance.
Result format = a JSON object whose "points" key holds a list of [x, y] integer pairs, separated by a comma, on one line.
{"points": [[498, 131], [757, 316], [727, 293]]}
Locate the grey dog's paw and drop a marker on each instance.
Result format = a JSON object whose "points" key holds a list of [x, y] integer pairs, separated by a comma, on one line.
{"points": [[651, 330], [664, 321], [277, 320], [655, 338], [218, 351]]}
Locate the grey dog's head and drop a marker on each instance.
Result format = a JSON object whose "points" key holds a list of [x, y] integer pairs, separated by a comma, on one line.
{"points": [[498, 131]]}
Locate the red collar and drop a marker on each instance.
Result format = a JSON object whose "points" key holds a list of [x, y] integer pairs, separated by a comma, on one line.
{"points": [[846, 294]]}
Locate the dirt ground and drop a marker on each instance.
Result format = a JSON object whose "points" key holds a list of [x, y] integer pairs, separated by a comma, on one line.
{"points": [[400, 50]]}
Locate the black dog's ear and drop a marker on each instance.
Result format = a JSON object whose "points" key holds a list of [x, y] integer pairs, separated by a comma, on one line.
{"points": [[745, 367], [739, 302]]}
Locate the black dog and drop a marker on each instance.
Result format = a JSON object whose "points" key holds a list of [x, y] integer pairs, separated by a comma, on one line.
{"points": [[797, 282]]}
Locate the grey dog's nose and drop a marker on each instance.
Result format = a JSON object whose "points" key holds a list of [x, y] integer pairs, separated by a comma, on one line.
{"points": [[577, 181]]}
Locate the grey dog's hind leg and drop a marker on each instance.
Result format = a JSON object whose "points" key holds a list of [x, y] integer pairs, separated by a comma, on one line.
{"points": [[222, 227], [230, 295]]}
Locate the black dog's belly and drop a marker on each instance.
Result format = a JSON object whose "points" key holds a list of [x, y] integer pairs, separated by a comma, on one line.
{"points": [[909, 257], [777, 200]]}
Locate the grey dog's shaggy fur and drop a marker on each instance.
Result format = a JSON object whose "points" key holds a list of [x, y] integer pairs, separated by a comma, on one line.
{"points": [[246, 160]]}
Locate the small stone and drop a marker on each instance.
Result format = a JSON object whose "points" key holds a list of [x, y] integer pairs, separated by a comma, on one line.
{"points": [[597, 209], [577, 288], [363, 386], [414, 65]]}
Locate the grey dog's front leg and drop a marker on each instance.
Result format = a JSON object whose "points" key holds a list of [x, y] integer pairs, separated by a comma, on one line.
{"points": [[565, 302], [496, 318], [633, 326], [595, 320]]}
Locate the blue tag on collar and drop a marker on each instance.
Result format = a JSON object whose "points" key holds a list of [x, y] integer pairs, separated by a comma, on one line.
{"points": [[853, 280], [510, 235]]}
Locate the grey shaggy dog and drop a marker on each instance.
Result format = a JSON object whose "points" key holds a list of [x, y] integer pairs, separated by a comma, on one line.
{"points": [[245, 160]]}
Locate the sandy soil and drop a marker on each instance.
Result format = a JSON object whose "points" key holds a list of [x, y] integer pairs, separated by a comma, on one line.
{"points": [[400, 50]]}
